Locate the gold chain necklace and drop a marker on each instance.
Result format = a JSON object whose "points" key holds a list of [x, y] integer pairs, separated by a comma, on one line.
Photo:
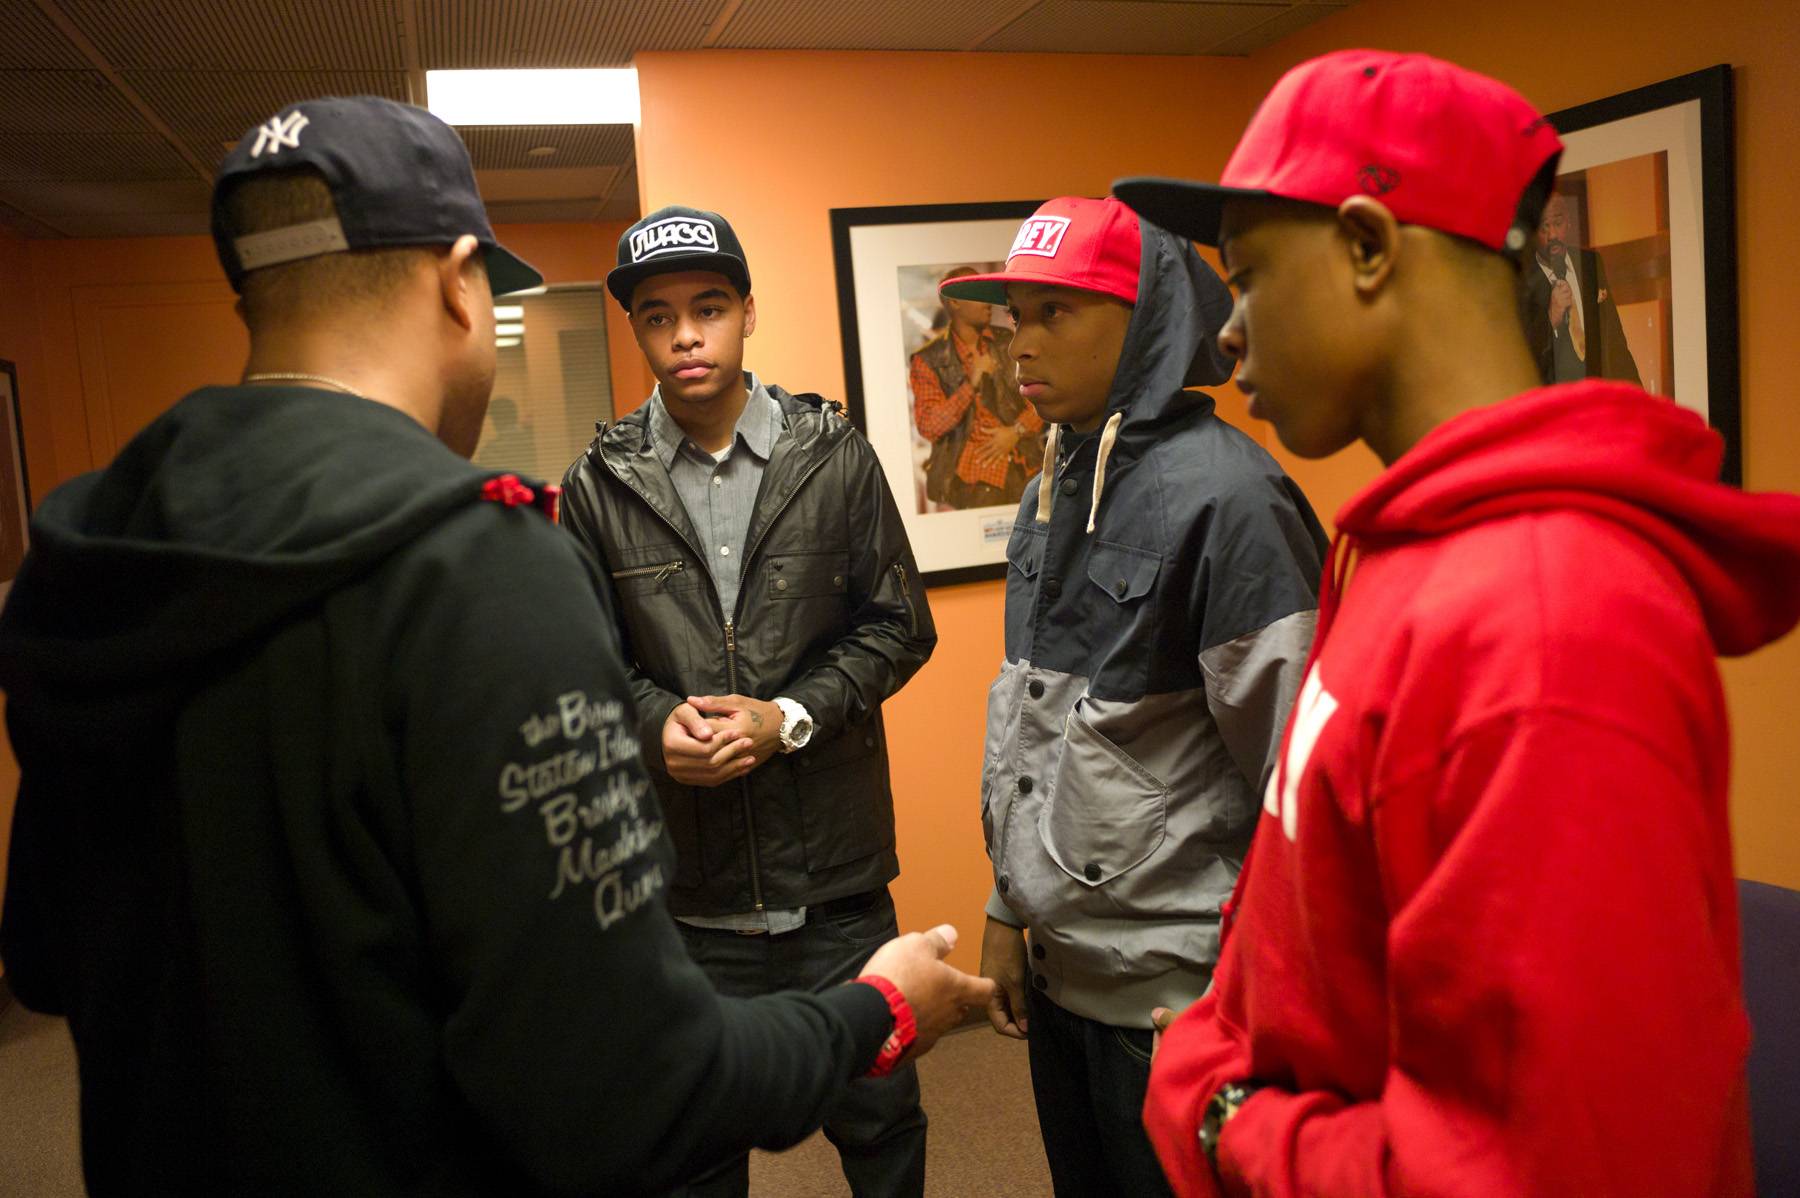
{"points": [[299, 376]]}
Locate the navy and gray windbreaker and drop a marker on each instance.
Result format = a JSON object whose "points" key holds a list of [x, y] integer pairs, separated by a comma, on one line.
{"points": [[1160, 597]]}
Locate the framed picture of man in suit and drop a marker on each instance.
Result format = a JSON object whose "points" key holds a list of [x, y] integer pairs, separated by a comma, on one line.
{"points": [[1633, 275], [931, 382]]}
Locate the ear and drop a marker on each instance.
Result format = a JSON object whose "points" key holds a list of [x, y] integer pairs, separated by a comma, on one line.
{"points": [[1372, 235], [455, 282], [749, 315]]}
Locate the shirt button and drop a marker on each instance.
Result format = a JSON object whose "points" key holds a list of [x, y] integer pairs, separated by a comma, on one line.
{"points": [[1036, 688], [1037, 980], [1005, 883], [1092, 871], [1037, 950], [1052, 589], [1025, 786], [1119, 588], [724, 551], [781, 584], [1068, 486], [717, 481], [837, 580]]}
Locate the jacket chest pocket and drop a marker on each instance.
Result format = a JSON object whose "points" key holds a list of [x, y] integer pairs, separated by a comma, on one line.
{"points": [[650, 570], [1123, 573], [791, 576]]}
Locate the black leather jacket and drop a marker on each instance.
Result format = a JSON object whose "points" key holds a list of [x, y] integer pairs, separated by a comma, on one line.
{"points": [[831, 613]]}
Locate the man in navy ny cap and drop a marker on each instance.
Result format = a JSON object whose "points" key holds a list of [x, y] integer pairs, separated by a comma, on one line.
{"points": [[332, 842], [769, 604]]}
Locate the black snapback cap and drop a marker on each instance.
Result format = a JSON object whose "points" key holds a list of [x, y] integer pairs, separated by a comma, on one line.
{"points": [[675, 239], [398, 176]]}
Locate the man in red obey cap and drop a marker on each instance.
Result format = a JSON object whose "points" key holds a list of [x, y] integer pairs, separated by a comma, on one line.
{"points": [[1487, 941], [1160, 597]]}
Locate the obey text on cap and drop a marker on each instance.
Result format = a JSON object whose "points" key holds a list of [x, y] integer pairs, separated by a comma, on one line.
{"points": [[1040, 236], [673, 235]]}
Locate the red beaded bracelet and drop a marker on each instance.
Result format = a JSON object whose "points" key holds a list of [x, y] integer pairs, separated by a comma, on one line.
{"points": [[906, 1029]]}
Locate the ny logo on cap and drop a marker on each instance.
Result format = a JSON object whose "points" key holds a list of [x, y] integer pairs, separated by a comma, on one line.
{"points": [[673, 235], [280, 131], [1041, 236]]}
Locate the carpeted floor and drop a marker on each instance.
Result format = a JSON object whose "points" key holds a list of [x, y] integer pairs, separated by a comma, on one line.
{"points": [[977, 1087]]}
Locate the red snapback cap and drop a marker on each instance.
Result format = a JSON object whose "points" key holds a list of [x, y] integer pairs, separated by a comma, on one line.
{"points": [[1440, 145], [1092, 245]]}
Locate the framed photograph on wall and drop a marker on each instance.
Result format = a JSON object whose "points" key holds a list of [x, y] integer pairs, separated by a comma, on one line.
{"points": [[15, 491], [929, 381], [1635, 271]]}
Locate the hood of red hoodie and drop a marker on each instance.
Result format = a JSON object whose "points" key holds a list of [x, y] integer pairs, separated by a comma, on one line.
{"points": [[1612, 450]]}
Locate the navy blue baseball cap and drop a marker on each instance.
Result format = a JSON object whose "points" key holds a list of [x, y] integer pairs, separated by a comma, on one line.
{"points": [[675, 239], [398, 176]]}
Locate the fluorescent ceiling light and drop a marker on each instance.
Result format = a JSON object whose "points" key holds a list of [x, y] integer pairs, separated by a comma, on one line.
{"points": [[581, 97], [505, 342], [509, 330], [509, 311]]}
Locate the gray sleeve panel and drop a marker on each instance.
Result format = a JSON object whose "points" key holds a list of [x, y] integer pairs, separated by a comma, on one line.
{"points": [[997, 909], [1251, 683]]}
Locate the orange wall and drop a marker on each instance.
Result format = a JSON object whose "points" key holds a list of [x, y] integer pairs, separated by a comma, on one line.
{"points": [[1619, 45], [813, 132]]}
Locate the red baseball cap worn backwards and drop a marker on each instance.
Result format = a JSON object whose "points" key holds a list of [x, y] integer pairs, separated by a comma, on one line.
{"points": [[1091, 245], [1440, 145]]}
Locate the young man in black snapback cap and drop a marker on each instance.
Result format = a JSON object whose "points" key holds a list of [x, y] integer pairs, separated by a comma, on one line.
{"points": [[768, 604], [332, 842]]}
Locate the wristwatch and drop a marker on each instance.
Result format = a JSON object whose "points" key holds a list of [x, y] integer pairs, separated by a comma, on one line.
{"points": [[796, 725], [1226, 1101]]}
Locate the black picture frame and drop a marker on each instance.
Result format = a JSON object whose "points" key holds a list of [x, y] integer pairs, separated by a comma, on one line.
{"points": [[12, 466], [940, 565], [1588, 128]]}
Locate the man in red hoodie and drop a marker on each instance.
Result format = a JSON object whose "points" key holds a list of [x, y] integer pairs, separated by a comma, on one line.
{"points": [[1487, 940]]}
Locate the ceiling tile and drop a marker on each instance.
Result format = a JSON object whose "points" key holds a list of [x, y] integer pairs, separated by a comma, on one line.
{"points": [[209, 109], [269, 35], [507, 147], [863, 24], [1130, 26], [90, 157], [64, 102], [469, 34], [1270, 32], [28, 41]]}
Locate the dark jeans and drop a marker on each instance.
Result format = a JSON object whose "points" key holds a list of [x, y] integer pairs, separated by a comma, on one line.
{"points": [[879, 1127], [1089, 1080]]}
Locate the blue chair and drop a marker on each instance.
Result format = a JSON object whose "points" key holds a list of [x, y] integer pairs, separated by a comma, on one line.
{"points": [[1771, 932]]}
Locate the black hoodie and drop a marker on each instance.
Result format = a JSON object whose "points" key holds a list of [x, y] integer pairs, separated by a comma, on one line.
{"points": [[333, 843]]}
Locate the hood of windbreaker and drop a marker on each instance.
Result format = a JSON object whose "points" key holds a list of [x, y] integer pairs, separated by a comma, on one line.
{"points": [[232, 511], [1622, 455], [1172, 341]]}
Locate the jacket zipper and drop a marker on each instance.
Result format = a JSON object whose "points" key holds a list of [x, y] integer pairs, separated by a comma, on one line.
{"points": [[661, 571], [756, 897], [756, 893], [912, 617]]}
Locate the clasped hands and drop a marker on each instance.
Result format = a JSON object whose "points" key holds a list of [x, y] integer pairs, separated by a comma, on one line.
{"points": [[709, 740]]}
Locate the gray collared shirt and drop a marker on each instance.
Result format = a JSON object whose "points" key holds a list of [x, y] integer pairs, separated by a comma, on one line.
{"points": [[719, 494]]}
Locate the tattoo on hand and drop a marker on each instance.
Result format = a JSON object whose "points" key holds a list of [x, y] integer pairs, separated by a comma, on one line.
{"points": [[756, 719]]}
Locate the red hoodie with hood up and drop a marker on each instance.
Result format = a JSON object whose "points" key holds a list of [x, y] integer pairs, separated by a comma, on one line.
{"points": [[1487, 942]]}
